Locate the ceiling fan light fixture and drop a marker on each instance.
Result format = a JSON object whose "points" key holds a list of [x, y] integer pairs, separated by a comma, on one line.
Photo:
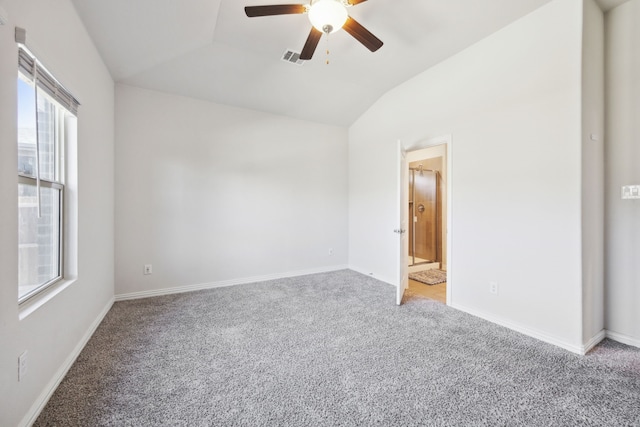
{"points": [[328, 16]]}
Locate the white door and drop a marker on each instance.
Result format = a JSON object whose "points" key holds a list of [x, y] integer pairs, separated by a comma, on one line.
{"points": [[403, 217]]}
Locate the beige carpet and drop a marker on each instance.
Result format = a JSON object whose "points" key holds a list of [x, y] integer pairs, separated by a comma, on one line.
{"points": [[429, 277]]}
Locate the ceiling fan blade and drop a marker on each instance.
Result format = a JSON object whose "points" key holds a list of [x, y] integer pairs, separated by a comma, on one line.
{"points": [[311, 44], [363, 35], [276, 9], [355, 2]]}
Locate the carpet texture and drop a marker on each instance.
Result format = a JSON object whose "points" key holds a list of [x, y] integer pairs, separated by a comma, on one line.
{"points": [[429, 277], [332, 349]]}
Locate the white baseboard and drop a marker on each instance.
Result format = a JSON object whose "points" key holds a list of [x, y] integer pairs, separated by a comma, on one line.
{"points": [[51, 387], [386, 280], [624, 339], [542, 336], [224, 283], [593, 341]]}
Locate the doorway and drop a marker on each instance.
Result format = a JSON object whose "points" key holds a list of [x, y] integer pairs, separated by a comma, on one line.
{"points": [[428, 190], [425, 229]]}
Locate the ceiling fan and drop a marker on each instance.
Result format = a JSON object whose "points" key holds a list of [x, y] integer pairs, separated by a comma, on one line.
{"points": [[326, 16]]}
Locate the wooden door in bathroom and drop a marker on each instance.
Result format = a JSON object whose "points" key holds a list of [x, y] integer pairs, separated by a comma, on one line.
{"points": [[427, 209]]}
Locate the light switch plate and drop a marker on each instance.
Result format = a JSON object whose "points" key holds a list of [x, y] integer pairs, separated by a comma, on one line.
{"points": [[631, 192]]}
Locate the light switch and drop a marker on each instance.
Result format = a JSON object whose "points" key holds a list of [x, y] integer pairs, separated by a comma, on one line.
{"points": [[631, 192]]}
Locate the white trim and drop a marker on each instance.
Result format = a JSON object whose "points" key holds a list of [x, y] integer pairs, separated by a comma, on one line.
{"points": [[586, 348], [225, 283], [364, 272], [38, 300], [542, 336], [622, 338], [51, 387]]}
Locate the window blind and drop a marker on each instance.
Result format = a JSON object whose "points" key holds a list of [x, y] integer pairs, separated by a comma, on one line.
{"points": [[30, 67]]}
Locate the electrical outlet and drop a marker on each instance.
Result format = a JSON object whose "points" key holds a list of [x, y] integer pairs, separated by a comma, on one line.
{"points": [[631, 192], [22, 365], [330, 251], [493, 288], [148, 269]]}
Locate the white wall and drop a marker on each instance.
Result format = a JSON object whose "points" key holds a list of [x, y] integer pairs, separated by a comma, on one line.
{"points": [[512, 103], [210, 194], [52, 333], [622, 153], [593, 172]]}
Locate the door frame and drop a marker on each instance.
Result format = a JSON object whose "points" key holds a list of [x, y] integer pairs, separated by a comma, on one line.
{"points": [[420, 145]]}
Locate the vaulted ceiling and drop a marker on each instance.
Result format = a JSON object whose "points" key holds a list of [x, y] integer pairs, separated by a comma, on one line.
{"points": [[209, 49]]}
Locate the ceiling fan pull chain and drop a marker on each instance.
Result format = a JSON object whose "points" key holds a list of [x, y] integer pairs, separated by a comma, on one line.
{"points": [[327, 49]]}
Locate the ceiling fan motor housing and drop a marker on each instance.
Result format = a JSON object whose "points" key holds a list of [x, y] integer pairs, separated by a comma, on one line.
{"points": [[328, 16]]}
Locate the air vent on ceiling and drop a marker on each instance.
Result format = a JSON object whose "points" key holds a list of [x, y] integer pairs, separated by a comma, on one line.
{"points": [[292, 57]]}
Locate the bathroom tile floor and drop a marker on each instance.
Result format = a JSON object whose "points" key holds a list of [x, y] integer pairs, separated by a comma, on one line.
{"points": [[420, 290]]}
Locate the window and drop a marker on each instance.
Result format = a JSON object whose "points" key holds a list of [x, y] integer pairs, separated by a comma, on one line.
{"points": [[43, 107]]}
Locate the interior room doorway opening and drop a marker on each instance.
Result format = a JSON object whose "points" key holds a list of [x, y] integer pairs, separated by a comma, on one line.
{"points": [[425, 216], [425, 188]]}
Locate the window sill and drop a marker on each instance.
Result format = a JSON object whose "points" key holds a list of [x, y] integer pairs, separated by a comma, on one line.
{"points": [[33, 304]]}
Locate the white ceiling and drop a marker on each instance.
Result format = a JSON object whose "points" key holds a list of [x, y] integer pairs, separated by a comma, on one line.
{"points": [[209, 49]]}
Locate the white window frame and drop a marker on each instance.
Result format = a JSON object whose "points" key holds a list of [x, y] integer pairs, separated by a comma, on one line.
{"points": [[65, 105], [26, 180]]}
